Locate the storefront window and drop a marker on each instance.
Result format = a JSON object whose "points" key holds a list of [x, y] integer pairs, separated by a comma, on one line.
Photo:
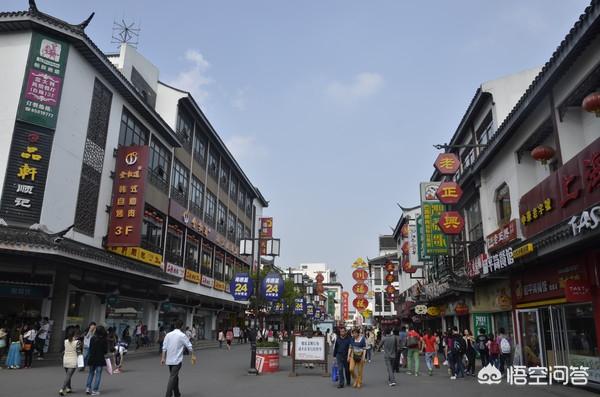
{"points": [[206, 259], [219, 265], [192, 252], [124, 313], [174, 243], [152, 231], [504, 320], [581, 331], [378, 302]]}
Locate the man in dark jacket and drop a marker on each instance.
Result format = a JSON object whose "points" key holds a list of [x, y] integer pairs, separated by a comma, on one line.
{"points": [[340, 352]]}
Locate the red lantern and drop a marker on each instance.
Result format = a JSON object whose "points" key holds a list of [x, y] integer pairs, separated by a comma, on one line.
{"points": [[389, 266], [390, 289], [360, 289], [389, 278], [360, 304], [591, 103], [405, 247], [360, 275], [542, 153]]}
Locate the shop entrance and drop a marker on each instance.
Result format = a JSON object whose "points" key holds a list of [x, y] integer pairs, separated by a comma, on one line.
{"points": [[542, 336]]}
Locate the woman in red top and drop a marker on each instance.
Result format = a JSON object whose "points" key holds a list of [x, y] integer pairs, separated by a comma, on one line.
{"points": [[229, 338], [429, 347]]}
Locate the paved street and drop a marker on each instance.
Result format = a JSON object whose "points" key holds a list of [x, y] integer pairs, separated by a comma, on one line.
{"points": [[220, 373]]}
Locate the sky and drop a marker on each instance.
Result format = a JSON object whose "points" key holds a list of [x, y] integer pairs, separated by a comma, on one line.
{"points": [[332, 107]]}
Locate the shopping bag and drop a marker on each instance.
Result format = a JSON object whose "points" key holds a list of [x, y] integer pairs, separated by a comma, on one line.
{"points": [[109, 366], [436, 361], [80, 363], [334, 373], [401, 359]]}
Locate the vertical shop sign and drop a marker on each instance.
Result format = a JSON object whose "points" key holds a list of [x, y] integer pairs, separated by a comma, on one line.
{"points": [[435, 241], [127, 210], [345, 305]]}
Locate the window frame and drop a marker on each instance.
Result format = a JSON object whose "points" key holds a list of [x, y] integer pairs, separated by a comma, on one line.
{"points": [[501, 198], [136, 128]]}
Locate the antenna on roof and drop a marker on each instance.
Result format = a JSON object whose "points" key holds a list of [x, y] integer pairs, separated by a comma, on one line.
{"points": [[125, 33]]}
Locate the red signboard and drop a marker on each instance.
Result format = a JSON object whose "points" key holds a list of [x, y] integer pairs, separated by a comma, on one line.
{"points": [[449, 193], [360, 289], [451, 222], [577, 291], [266, 227], [360, 275], [405, 248], [461, 309], [407, 267], [571, 189], [360, 304], [447, 163], [345, 305], [127, 210], [503, 236]]}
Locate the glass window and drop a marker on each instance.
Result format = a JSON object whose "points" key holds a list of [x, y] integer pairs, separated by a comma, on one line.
{"points": [[231, 226], [152, 230], [229, 268], [474, 225], [502, 200], [211, 208], [247, 233], [581, 334], [196, 196], [192, 252], [132, 132], [179, 188], [160, 165], [200, 148], [239, 233], [207, 259], [241, 198], [222, 219], [378, 307], [224, 176], [377, 276], [248, 206], [233, 188], [185, 128], [219, 265], [174, 244], [387, 305], [213, 164]]}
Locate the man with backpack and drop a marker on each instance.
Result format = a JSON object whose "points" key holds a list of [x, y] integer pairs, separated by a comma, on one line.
{"points": [[414, 345], [481, 346], [456, 348], [493, 350], [505, 350]]}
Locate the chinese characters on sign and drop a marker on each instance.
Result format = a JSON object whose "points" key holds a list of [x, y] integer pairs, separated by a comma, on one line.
{"points": [[272, 287], [533, 214], [345, 305], [139, 254], [449, 193], [126, 214], [434, 241], [299, 306], [193, 276], [42, 86], [447, 163], [451, 222], [242, 287], [503, 236], [26, 175]]}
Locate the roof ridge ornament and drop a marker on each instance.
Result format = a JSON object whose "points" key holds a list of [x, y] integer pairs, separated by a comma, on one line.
{"points": [[33, 7], [85, 23]]}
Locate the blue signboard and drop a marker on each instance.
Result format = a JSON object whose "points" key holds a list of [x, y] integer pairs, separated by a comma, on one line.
{"points": [[310, 310], [299, 306], [277, 307], [242, 287], [318, 313], [272, 287]]}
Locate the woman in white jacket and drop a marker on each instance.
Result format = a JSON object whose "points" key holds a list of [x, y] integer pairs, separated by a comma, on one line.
{"points": [[73, 349]]}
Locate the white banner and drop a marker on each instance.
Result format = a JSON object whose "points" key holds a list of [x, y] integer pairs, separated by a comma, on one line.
{"points": [[309, 349], [172, 268]]}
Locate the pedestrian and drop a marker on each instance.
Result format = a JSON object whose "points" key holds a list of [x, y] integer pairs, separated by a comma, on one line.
{"points": [[13, 359], [430, 348], [72, 349], [229, 338], [138, 335], [126, 336], [505, 349], [221, 338], [161, 338], [112, 341], [172, 355], [96, 361], [481, 343], [455, 351], [341, 349], [390, 345], [442, 346], [188, 333], [3, 341], [414, 345], [356, 355], [494, 351], [42, 335], [401, 360], [88, 334], [29, 335], [370, 345], [470, 353]]}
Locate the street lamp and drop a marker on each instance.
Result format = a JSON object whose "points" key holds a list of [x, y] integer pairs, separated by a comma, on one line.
{"points": [[247, 249]]}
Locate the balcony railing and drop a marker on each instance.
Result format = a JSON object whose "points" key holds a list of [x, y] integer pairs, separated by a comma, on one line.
{"points": [[158, 181], [147, 245], [178, 196]]}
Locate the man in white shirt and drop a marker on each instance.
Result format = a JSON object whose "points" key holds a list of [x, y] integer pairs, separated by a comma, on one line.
{"points": [[172, 355], [41, 337]]}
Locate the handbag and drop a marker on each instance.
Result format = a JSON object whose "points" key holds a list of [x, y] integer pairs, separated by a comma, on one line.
{"points": [[334, 373], [27, 346], [109, 368], [80, 363], [436, 361]]}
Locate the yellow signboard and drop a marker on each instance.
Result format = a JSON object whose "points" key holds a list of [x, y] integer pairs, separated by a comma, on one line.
{"points": [[359, 263], [192, 276], [219, 285], [433, 311], [139, 254], [522, 250]]}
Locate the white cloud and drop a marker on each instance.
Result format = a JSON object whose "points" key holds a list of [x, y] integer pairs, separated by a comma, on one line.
{"points": [[244, 148], [363, 85], [194, 79], [238, 101]]}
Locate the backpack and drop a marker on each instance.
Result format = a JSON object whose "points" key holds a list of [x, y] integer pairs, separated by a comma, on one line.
{"points": [[458, 345], [505, 346], [481, 342], [412, 341], [494, 348]]}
